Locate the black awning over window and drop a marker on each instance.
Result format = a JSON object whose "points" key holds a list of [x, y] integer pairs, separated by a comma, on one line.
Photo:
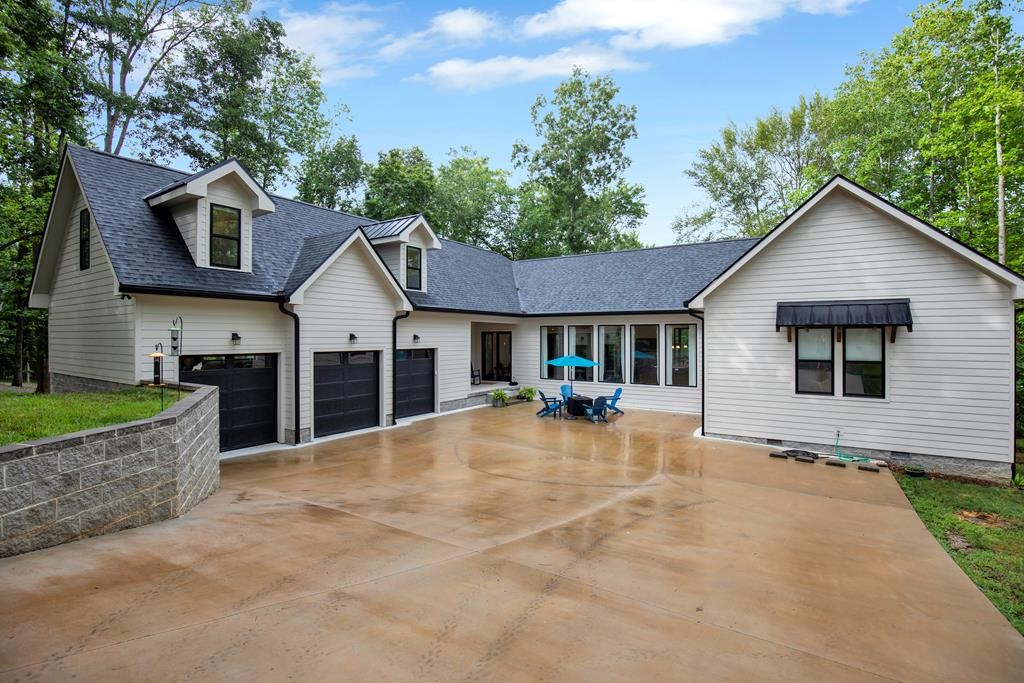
{"points": [[873, 312]]}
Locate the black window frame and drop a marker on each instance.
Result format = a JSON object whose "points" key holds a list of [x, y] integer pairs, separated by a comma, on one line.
{"points": [[84, 240], [601, 369], [588, 373], [238, 240], [543, 362], [669, 328], [831, 360], [657, 355], [418, 269], [881, 343]]}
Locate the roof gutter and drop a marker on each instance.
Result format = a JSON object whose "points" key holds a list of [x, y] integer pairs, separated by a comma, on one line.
{"points": [[170, 291], [295, 369], [554, 314], [394, 364], [700, 317]]}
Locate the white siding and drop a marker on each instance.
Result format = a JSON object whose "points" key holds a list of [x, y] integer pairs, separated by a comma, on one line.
{"points": [[391, 254], [185, 218], [90, 327], [949, 382], [351, 296], [526, 363], [207, 328], [229, 191], [450, 336]]}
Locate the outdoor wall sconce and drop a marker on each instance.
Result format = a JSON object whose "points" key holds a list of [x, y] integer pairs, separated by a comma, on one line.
{"points": [[415, 337], [352, 337], [236, 339], [175, 330]]}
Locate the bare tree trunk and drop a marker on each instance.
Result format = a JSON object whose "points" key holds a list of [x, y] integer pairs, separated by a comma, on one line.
{"points": [[42, 362], [19, 350], [1001, 180]]}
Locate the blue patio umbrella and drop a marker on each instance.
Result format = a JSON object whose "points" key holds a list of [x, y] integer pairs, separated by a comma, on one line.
{"points": [[572, 362]]}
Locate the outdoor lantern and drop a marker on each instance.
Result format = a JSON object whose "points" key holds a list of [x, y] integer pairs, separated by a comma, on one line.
{"points": [[352, 337], [415, 337], [175, 330], [236, 339]]}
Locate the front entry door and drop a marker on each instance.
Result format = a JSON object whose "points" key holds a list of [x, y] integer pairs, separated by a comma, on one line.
{"points": [[496, 356]]}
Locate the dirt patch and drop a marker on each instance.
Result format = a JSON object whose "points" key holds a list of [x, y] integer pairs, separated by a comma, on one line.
{"points": [[985, 519], [958, 542]]}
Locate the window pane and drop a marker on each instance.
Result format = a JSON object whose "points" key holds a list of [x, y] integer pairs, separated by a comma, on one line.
{"points": [[413, 280], [225, 221], [814, 343], [201, 363], [242, 361], [361, 358], [83, 240], [863, 344], [611, 357], [682, 355], [814, 377], [224, 252], [864, 378], [327, 358], [581, 343], [550, 348], [645, 354], [413, 268], [414, 257]]}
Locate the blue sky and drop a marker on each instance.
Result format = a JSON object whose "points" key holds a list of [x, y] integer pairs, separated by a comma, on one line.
{"points": [[447, 74]]}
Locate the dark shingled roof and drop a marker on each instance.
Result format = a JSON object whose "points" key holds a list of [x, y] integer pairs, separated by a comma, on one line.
{"points": [[466, 278], [390, 227], [147, 252]]}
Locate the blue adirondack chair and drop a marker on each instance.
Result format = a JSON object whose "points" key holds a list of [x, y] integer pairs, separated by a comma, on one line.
{"points": [[552, 406], [613, 401], [597, 412], [566, 392]]}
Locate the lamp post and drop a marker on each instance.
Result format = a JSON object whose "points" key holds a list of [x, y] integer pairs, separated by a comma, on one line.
{"points": [[158, 379]]}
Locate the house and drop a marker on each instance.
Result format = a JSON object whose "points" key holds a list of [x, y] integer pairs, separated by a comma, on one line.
{"points": [[851, 315]]}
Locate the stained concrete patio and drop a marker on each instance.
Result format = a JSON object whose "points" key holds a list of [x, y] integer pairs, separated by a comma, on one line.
{"points": [[494, 545]]}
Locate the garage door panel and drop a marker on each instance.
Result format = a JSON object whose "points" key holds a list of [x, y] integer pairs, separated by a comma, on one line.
{"points": [[248, 395], [346, 391], [415, 382]]}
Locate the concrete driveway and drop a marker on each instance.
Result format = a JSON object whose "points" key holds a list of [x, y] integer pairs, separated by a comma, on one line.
{"points": [[494, 545]]}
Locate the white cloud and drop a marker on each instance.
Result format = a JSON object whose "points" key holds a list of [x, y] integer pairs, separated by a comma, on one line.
{"points": [[646, 24], [464, 74], [336, 35], [463, 26]]}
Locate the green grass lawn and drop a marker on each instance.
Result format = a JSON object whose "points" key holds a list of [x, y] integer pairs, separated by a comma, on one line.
{"points": [[989, 547], [32, 416]]}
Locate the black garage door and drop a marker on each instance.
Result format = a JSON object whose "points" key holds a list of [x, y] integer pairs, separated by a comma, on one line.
{"points": [[415, 373], [248, 395], [346, 391]]}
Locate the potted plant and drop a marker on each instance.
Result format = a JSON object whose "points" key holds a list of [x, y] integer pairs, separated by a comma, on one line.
{"points": [[527, 394], [499, 398], [914, 471]]}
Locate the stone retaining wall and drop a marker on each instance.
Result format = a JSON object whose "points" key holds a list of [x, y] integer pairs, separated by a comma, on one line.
{"points": [[102, 480]]}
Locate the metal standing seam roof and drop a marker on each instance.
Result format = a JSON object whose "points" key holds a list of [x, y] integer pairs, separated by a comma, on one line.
{"points": [[844, 313], [390, 227], [148, 252]]}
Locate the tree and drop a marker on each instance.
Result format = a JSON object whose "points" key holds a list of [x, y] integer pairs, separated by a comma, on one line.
{"points": [[755, 175], [130, 41], [333, 174], [578, 169], [42, 84], [237, 91], [472, 202], [401, 183]]}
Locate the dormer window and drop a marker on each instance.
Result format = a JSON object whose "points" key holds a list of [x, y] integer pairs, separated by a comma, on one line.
{"points": [[413, 268], [225, 236]]}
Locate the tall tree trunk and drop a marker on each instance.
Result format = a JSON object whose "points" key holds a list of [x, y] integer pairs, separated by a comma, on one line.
{"points": [[19, 349], [1001, 179], [42, 362]]}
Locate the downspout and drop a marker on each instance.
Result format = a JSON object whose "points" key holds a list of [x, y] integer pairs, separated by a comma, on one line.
{"points": [[700, 317], [295, 369], [394, 365]]}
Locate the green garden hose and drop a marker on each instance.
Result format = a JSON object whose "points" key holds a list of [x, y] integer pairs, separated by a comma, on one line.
{"points": [[846, 457]]}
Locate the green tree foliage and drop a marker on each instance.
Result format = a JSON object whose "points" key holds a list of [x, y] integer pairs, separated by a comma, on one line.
{"points": [[42, 84], [472, 202], [933, 122], [333, 174], [576, 173], [237, 91], [401, 183]]}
